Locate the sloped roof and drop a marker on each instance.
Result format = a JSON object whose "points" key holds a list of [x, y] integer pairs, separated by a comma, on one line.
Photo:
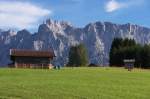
{"points": [[31, 53]]}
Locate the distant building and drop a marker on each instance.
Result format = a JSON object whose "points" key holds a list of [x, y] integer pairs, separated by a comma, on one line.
{"points": [[129, 63], [30, 58]]}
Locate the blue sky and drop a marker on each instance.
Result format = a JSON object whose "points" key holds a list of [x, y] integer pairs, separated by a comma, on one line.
{"points": [[29, 14]]}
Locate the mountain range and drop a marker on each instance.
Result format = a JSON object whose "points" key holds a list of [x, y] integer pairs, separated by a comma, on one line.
{"points": [[60, 35]]}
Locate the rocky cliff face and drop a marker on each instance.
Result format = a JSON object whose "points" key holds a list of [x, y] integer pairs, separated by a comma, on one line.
{"points": [[59, 36]]}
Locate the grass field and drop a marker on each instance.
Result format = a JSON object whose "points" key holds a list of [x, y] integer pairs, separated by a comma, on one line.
{"points": [[74, 83]]}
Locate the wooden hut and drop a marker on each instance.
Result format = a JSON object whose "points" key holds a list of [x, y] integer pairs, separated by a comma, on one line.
{"points": [[31, 58], [129, 64]]}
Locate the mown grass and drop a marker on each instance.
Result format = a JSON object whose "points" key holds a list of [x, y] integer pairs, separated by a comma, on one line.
{"points": [[74, 83]]}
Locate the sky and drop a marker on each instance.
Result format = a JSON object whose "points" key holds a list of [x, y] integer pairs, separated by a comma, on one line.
{"points": [[29, 14]]}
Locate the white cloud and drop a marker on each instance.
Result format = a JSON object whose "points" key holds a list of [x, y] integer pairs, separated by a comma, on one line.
{"points": [[114, 5], [20, 14]]}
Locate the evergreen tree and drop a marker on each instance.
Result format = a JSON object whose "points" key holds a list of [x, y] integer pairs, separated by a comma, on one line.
{"points": [[145, 56], [78, 56], [138, 58], [128, 49], [113, 58], [121, 49]]}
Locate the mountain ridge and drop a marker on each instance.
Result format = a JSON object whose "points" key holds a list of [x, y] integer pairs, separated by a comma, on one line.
{"points": [[59, 36]]}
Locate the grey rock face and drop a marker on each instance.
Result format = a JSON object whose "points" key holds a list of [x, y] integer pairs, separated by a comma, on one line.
{"points": [[59, 36]]}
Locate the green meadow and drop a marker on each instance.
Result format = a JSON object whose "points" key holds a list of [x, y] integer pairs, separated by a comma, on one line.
{"points": [[74, 83]]}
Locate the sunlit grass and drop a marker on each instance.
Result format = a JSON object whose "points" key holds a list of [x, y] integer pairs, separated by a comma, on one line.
{"points": [[75, 83]]}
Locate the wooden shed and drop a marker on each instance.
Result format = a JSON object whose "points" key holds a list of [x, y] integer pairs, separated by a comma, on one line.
{"points": [[129, 63], [31, 58]]}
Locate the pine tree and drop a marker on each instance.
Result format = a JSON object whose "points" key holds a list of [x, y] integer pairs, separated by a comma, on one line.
{"points": [[121, 49], [113, 54], [145, 56], [78, 56], [128, 49]]}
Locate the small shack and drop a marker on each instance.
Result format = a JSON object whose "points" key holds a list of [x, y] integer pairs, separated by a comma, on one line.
{"points": [[129, 64], [31, 58]]}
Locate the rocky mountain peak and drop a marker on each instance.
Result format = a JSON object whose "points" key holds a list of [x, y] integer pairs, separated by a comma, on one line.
{"points": [[43, 28], [57, 26], [59, 36]]}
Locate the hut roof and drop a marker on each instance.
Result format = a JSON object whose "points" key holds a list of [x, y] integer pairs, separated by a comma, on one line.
{"points": [[129, 60], [31, 53]]}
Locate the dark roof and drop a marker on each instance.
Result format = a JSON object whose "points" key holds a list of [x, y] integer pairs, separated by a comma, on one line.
{"points": [[31, 53]]}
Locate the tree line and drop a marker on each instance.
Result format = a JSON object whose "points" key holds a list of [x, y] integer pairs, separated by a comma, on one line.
{"points": [[120, 49], [128, 49]]}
